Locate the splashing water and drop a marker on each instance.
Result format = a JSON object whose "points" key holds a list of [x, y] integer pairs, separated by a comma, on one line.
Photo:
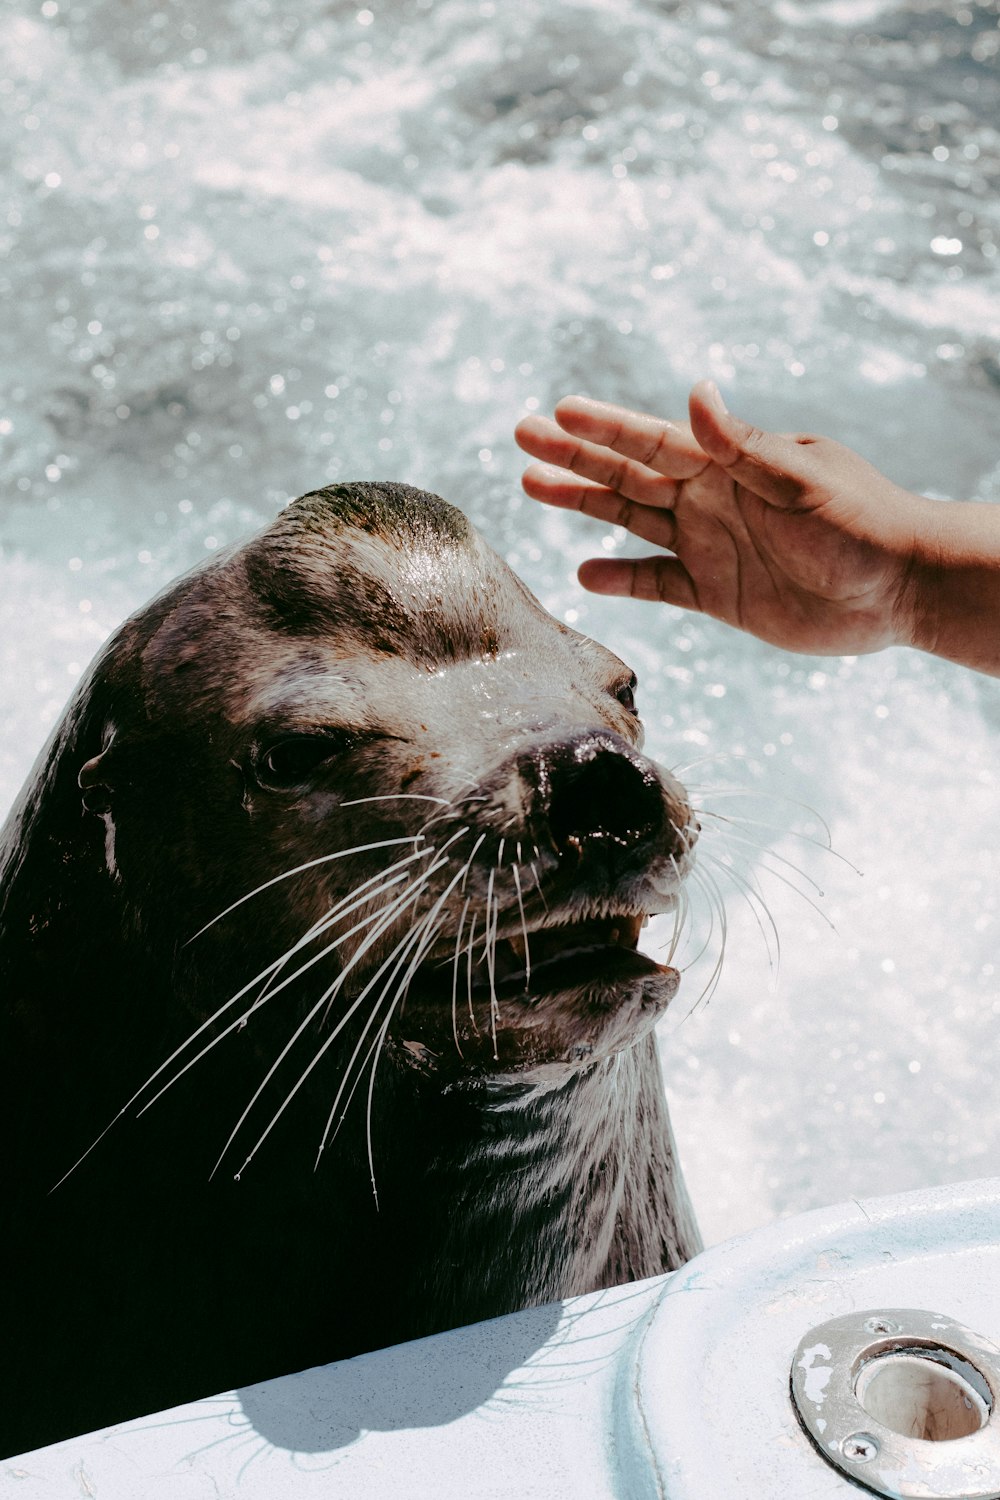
{"points": [[253, 248]]}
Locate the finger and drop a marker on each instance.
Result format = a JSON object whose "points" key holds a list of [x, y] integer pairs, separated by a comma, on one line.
{"points": [[663, 578], [552, 486], [773, 465], [543, 439], [668, 447]]}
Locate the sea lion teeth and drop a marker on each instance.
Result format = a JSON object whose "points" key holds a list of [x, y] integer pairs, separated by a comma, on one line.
{"points": [[631, 928], [564, 940]]}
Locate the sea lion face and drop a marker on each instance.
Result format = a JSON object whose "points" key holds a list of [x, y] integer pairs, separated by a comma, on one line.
{"points": [[386, 778]]}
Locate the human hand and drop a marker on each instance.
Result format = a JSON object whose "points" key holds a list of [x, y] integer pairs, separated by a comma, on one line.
{"points": [[796, 539]]}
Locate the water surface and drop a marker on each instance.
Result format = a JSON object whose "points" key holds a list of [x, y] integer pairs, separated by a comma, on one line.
{"points": [[252, 248]]}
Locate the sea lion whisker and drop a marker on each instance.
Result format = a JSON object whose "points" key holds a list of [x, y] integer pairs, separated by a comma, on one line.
{"points": [[762, 863], [777, 875], [459, 802], [468, 864], [683, 920], [267, 991], [371, 1053], [682, 912], [265, 974], [681, 909], [454, 977], [524, 926], [347, 1103], [716, 905], [411, 894], [695, 877], [422, 928], [414, 888], [327, 1043], [429, 935], [383, 918], [361, 895], [484, 957], [426, 923], [386, 917], [696, 792], [764, 849], [755, 901], [337, 913], [458, 948], [397, 797], [489, 954], [500, 849], [716, 974], [538, 885], [417, 938], [493, 1020], [491, 963], [704, 760], [310, 864], [735, 820], [472, 938], [400, 953], [377, 1049]]}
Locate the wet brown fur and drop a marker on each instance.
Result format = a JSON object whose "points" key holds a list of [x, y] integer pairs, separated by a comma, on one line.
{"points": [[531, 1161]]}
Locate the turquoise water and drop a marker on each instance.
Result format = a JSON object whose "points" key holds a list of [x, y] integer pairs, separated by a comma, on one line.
{"points": [[253, 247]]}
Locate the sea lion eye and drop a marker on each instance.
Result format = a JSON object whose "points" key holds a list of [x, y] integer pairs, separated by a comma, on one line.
{"points": [[626, 694], [291, 761]]}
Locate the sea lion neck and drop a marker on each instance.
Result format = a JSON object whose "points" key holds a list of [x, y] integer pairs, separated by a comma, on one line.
{"points": [[573, 1171]]}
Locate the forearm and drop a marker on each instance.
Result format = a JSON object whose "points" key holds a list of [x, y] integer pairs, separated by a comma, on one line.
{"points": [[954, 584]]}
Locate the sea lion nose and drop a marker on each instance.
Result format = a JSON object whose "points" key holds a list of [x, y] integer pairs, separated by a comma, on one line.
{"points": [[599, 793]]}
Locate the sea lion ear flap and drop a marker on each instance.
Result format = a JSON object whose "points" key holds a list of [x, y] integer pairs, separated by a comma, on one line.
{"points": [[95, 782]]}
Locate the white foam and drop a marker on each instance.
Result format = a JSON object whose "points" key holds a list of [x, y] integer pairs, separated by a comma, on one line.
{"points": [[364, 250]]}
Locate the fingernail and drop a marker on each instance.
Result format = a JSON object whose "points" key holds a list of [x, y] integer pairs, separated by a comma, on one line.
{"points": [[714, 398]]}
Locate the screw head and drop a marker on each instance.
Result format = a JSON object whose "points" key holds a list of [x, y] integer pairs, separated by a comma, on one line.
{"points": [[860, 1447]]}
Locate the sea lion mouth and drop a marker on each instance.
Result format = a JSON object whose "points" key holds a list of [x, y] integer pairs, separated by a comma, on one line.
{"points": [[567, 954], [559, 956], [537, 1003]]}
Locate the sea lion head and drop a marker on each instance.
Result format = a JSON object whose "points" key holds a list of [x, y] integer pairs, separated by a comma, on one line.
{"points": [[374, 774]]}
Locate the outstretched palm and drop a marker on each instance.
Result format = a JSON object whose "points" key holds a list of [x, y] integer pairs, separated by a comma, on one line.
{"points": [[798, 540]]}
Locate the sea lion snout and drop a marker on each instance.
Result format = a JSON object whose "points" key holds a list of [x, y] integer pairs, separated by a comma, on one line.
{"points": [[603, 800]]}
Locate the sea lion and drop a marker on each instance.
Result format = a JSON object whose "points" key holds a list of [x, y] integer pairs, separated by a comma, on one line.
{"points": [[324, 897]]}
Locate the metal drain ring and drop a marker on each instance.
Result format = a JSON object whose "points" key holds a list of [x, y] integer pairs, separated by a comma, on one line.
{"points": [[884, 1361]]}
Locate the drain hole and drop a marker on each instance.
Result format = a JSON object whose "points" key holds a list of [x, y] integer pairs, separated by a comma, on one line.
{"points": [[926, 1393]]}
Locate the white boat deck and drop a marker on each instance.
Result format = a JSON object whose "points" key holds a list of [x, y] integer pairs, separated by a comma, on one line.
{"points": [[675, 1388]]}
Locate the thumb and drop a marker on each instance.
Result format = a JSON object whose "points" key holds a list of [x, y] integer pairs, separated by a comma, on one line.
{"points": [[772, 465]]}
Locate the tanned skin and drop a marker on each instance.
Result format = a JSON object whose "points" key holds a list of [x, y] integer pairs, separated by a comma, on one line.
{"points": [[790, 536]]}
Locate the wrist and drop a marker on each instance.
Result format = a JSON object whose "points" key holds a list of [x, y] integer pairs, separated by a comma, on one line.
{"points": [[950, 603], [917, 614]]}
